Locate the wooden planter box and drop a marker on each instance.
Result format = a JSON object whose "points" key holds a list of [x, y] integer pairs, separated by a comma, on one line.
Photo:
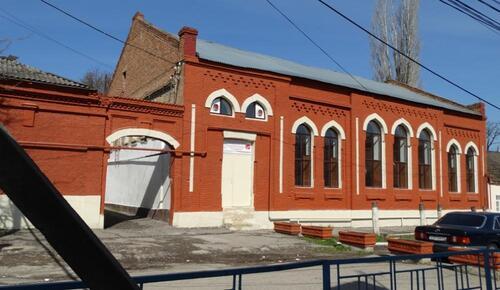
{"points": [[358, 239], [317, 232], [409, 246], [470, 259], [287, 228]]}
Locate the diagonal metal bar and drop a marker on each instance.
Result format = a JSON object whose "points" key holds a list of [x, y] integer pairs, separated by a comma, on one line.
{"points": [[32, 192]]}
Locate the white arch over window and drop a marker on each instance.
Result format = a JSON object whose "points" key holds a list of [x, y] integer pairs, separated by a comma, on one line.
{"points": [[457, 145], [257, 98], [378, 119], [336, 126], [403, 122], [225, 94], [143, 132], [428, 126], [308, 122], [473, 145]]}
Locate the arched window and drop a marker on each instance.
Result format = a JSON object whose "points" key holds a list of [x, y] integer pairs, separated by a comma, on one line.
{"points": [[453, 169], [425, 160], [400, 149], [470, 169], [373, 155], [221, 106], [255, 111], [303, 156], [331, 159]]}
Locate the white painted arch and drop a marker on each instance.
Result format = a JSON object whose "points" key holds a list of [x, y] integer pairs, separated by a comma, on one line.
{"points": [[225, 94], [308, 122], [260, 99], [143, 132], [336, 126], [402, 121], [454, 142], [473, 145], [378, 119], [428, 126]]}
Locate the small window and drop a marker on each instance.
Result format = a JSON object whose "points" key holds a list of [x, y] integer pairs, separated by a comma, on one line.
{"points": [[303, 156], [470, 170], [425, 160], [452, 169], [256, 111], [373, 155], [400, 150], [221, 106], [331, 159]]}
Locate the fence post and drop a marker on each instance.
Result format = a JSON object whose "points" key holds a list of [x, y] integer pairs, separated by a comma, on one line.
{"points": [[487, 269], [439, 210], [326, 276], [376, 227], [421, 209]]}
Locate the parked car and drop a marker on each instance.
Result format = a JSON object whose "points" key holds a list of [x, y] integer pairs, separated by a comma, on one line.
{"points": [[463, 229]]}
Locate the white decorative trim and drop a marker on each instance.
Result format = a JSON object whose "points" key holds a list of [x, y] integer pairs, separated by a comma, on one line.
{"points": [[335, 125], [410, 163], [227, 95], [403, 122], [357, 156], [143, 132], [471, 143], [239, 135], [457, 145], [428, 126], [379, 120], [308, 122], [192, 140], [281, 155], [257, 98]]}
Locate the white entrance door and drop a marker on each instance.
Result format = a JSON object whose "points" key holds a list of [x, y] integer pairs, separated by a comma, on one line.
{"points": [[237, 173]]}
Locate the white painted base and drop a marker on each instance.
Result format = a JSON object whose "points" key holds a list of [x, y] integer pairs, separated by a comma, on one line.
{"points": [[87, 206], [336, 218]]}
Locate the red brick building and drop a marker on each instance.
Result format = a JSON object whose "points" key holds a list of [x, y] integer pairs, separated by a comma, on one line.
{"points": [[287, 141]]}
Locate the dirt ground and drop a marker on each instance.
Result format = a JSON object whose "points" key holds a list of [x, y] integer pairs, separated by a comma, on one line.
{"points": [[145, 245]]}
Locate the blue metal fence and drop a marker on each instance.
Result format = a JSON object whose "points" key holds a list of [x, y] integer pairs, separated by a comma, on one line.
{"points": [[480, 275]]}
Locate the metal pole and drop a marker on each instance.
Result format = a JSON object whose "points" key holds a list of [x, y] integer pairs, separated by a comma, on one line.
{"points": [[326, 276], [487, 270]]}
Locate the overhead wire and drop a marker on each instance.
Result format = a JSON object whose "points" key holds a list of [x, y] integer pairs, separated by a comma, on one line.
{"points": [[489, 5], [315, 43], [425, 67], [17, 21], [109, 35]]}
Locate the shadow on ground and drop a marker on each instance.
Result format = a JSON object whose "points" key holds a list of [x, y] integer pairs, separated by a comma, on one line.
{"points": [[112, 218], [354, 285]]}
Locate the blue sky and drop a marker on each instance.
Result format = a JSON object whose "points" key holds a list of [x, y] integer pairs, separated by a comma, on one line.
{"points": [[452, 44]]}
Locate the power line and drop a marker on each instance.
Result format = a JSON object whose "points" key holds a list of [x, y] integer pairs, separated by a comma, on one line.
{"points": [[489, 5], [480, 15], [314, 43], [106, 33], [15, 20], [478, 19], [406, 56]]}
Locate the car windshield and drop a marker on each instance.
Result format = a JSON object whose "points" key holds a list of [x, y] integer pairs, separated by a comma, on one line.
{"points": [[465, 220]]}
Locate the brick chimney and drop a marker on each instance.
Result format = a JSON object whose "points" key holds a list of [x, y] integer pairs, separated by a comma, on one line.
{"points": [[187, 37], [478, 107], [138, 15]]}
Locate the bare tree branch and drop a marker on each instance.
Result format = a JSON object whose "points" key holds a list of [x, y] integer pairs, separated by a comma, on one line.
{"points": [[397, 25], [492, 133], [97, 80]]}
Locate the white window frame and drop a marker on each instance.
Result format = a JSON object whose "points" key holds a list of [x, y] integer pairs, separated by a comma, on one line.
{"points": [[314, 132], [375, 117], [341, 136], [410, 135], [428, 126], [476, 168], [459, 152], [268, 110], [226, 95]]}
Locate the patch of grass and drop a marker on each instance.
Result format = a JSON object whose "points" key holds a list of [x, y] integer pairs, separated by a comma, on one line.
{"points": [[331, 243]]}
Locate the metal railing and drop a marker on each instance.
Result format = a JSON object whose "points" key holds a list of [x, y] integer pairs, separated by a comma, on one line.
{"points": [[473, 275]]}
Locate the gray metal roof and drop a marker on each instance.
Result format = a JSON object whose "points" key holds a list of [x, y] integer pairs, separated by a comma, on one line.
{"points": [[235, 57], [10, 68]]}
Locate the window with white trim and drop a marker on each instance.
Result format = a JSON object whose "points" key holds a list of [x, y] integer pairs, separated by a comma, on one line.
{"points": [[331, 159], [256, 111], [303, 147], [221, 106]]}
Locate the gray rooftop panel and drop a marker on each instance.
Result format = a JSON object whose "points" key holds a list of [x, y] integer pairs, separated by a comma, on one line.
{"points": [[10, 68], [235, 57]]}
